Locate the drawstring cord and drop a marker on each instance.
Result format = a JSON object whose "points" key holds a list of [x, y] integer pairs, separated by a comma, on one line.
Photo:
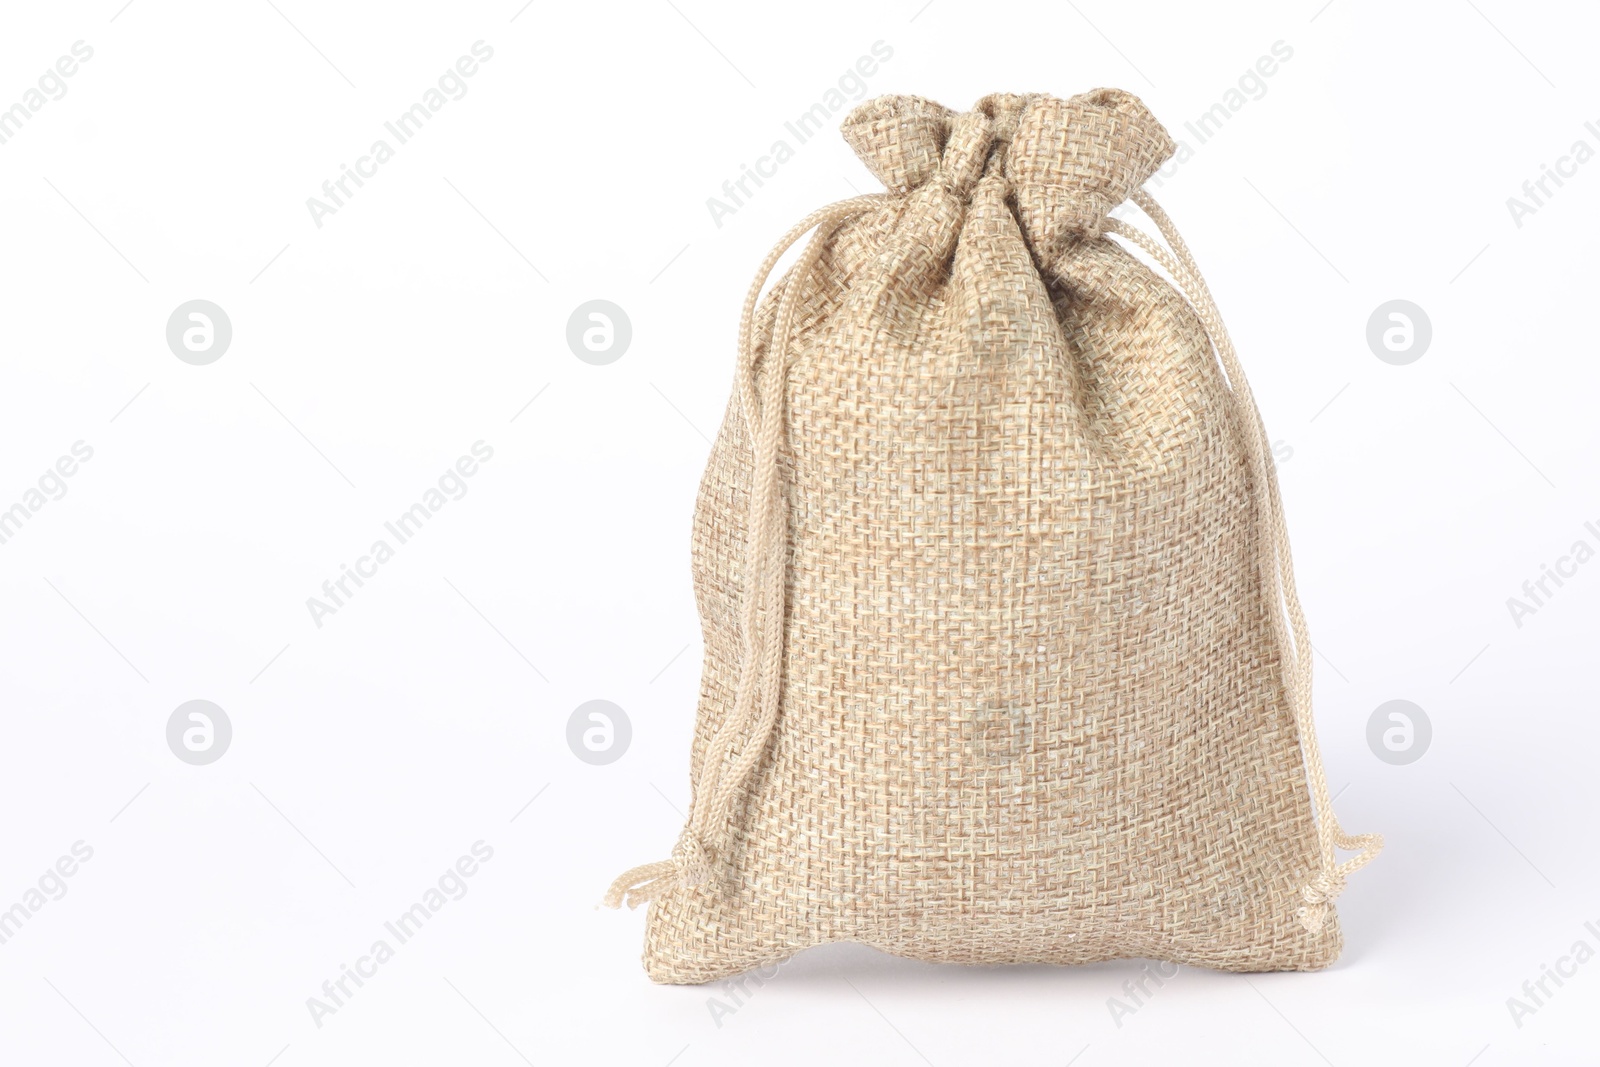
{"points": [[757, 697], [1276, 564]]}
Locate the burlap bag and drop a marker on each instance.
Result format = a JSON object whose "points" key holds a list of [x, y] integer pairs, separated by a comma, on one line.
{"points": [[1003, 657]]}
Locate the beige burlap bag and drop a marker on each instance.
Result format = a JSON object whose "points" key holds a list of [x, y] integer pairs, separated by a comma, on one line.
{"points": [[1003, 657]]}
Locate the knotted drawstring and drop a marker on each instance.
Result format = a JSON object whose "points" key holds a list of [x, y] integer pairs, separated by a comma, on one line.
{"points": [[757, 697], [1275, 561]]}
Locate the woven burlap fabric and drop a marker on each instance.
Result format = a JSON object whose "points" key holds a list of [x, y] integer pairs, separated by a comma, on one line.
{"points": [[1032, 698]]}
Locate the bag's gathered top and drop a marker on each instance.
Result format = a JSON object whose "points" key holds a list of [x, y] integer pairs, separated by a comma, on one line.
{"points": [[1004, 656]]}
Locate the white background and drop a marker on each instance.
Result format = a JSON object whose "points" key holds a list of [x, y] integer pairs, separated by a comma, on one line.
{"points": [[368, 354]]}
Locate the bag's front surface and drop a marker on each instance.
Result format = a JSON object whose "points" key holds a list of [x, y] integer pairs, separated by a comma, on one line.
{"points": [[987, 558]]}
